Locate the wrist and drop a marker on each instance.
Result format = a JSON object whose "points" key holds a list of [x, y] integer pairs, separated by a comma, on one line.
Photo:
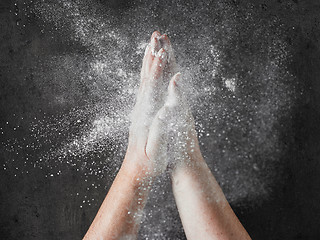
{"points": [[190, 164], [136, 165]]}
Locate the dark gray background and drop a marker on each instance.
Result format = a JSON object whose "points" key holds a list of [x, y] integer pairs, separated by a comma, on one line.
{"points": [[280, 200]]}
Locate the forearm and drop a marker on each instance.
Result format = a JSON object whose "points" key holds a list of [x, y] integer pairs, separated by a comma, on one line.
{"points": [[120, 212], [203, 208]]}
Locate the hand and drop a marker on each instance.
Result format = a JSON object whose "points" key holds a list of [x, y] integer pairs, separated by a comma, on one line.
{"points": [[183, 142], [147, 135]]}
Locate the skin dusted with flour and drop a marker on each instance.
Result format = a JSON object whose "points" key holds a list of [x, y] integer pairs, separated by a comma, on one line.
{"points": [[204, 211]]}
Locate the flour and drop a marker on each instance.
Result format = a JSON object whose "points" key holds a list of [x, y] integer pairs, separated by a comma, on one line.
{"points": [[235, 81], [233, 114]]}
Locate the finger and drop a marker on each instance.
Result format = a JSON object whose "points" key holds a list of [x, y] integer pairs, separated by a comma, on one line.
{"points": [[155, 34], [159, 63], [155, 43], [152, 48], [176, 100], [174, 82], [174, 95], [165, 42], [147, 59]]}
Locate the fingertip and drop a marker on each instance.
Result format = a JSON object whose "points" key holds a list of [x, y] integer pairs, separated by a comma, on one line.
{"points": [[171, 87], [174, 80], [164, 39], [173, 90], [155, 44], [155, 34]]}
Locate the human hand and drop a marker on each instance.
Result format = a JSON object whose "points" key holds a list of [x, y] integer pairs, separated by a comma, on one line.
{"points": [[147, 131], [182, 137]]}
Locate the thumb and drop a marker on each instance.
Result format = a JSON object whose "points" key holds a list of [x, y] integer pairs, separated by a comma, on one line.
{"points": [[173, 91], [176, 99]]}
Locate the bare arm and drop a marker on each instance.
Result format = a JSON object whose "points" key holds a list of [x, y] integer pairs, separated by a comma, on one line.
{"points": [[204, 211], [120, 212]]}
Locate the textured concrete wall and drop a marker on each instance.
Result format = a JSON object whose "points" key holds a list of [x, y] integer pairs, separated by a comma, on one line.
{"points": [[66, 67]]}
